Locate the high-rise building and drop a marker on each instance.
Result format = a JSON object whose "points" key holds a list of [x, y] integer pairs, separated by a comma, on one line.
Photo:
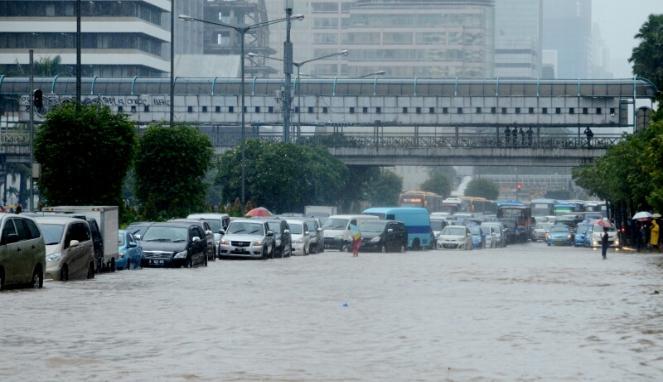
{"points": [[119, 38], [567, 29], [518, 38]]}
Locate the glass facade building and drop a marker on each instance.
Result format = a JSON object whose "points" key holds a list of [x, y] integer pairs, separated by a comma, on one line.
{"points": [[518, 38]]}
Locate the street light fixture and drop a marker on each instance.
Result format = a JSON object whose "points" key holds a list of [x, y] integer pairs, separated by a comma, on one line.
{"points": [[242, 30], [299, 66]]}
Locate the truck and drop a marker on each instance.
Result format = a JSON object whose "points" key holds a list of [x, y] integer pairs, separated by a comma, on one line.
{"points": [[322, 212], [104, 234]]}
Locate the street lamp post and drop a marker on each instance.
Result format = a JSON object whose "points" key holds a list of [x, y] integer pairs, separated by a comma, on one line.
{"points": [[299, 66], [242, 31]]}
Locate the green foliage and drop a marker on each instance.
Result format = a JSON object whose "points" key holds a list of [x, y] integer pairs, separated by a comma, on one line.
{"points": [[84, 155], [483, 188], [282, 177], [647, 58], [439, 181], [384, 188], [170, 171]]}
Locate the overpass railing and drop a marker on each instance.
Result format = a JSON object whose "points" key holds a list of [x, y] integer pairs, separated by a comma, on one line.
{"points": [[437, 141]]}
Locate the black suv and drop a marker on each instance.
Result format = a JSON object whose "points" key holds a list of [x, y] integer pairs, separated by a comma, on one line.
{"points": [[383, 236]]}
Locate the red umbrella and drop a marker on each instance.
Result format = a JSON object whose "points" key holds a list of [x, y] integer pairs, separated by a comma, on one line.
{"points": [[603, 223], [258, 212]]}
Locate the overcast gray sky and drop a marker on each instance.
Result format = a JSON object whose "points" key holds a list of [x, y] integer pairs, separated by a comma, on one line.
{"points": [[619, 21]]}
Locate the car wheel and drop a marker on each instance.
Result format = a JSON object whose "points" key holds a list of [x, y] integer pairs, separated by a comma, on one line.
{"points": [[64, 273], [206, 260], [90, 270], [38, 278], [263, 253], [112, 265]]}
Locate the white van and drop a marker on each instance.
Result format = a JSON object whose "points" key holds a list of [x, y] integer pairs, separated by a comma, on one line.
{"points": [[337, 230]]}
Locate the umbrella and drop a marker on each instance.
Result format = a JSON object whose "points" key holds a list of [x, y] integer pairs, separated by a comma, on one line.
{"points": [[603, 223], [258, 212], [642, 215], [656, 216]]}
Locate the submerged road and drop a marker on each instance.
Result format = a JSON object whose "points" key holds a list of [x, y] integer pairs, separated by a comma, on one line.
{"points": [[523, 313]]}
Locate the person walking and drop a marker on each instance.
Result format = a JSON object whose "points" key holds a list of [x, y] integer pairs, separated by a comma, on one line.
{"points": [[589, 134], [605, 243], [530, 135], [522, 137], [507, 135], [654, 235], [356, 237]]}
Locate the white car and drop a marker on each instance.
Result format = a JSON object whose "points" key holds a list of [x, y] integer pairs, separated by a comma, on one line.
{"points": [[69, 248], [300, 236], [597, 237], [455, 237]]}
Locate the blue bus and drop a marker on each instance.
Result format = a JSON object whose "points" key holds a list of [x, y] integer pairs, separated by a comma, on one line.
{"points": [[416, 220], [517, 217], [567, 207], [543, 207]]}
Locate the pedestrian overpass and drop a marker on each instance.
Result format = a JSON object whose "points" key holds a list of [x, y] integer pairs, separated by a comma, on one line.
{"points": [[381, 122]]}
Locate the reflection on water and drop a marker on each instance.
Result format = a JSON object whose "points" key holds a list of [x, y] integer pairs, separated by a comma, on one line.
{"points": [[520, 313]]}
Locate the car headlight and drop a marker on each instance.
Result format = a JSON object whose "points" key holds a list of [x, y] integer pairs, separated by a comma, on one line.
{"points": [[569, 237], [257, 243], [54, 257], [180, 255], [375, 239]]}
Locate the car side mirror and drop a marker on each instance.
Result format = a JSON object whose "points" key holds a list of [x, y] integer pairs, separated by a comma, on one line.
{"points": [[74, 243], [222, 232], [305, 232], [137, 236], [195, 239], [133, 245], [11, 238], [319, 230]]}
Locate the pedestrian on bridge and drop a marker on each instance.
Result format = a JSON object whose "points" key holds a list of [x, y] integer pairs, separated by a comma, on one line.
{"points": [[589, 134], [507, 134], [530, 135], [522, 137]]}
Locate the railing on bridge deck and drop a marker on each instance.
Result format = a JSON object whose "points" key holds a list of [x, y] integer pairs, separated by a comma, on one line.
{"points": [[424, 141]]}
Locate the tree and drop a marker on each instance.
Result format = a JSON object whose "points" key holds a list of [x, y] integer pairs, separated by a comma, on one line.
{"points": [[84, 155], [438, 182], [384, 188], [647, 57], [482, 188], [282, 177], [170, 171]]}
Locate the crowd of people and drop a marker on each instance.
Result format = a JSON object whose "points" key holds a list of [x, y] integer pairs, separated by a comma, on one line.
{"points": [[527, 137]]}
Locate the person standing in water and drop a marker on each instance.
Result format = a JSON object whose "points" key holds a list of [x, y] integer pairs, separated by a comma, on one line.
{"points": [[605, 243], [356, 237]]}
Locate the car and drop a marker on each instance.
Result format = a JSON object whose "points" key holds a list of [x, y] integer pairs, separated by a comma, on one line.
{"points": [[498, 232], [248, 238], [282, 236], [175, 245], [383, 236], [540, 230], [22, 252], [416, 220], [218, 222], [597, 233], [138, 229], [131, 253], [582, 236], [317, 235], [437, 224], [477, 236], [69, 248], [337, 230], [455, 237], [560, 234], [301, 237], [488, 237], [209, 235]]}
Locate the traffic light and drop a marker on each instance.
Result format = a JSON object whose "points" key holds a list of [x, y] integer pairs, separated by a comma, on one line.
{"points": [[38, 99], [519, 186]]}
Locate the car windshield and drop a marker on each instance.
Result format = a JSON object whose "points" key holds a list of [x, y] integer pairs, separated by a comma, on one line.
{"points": [[52, 233], [336, 224], [166, 234], [559, 229], [437, 225], [138, 229], [295, 228], [214, 224], [246, 228], [369, 226], [454, 231], [120, 238], [475, 230], [582, 228], [274, 227]]}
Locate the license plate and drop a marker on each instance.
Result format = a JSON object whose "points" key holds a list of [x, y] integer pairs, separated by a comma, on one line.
{"points": [[156, 262]]}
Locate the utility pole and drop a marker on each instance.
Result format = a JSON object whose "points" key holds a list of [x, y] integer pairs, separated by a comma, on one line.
{"points": [[78, 54], [287, 70], [172, 62], [32, 129]]}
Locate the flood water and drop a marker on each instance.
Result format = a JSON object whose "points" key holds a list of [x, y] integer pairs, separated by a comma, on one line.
{"points": [[524, 313]]}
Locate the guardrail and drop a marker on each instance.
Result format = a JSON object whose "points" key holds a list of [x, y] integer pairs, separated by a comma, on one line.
{"points": [[353, 140]]}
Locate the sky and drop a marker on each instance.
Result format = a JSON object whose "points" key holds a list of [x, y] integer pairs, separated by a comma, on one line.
{"points": [[619, 21]]}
